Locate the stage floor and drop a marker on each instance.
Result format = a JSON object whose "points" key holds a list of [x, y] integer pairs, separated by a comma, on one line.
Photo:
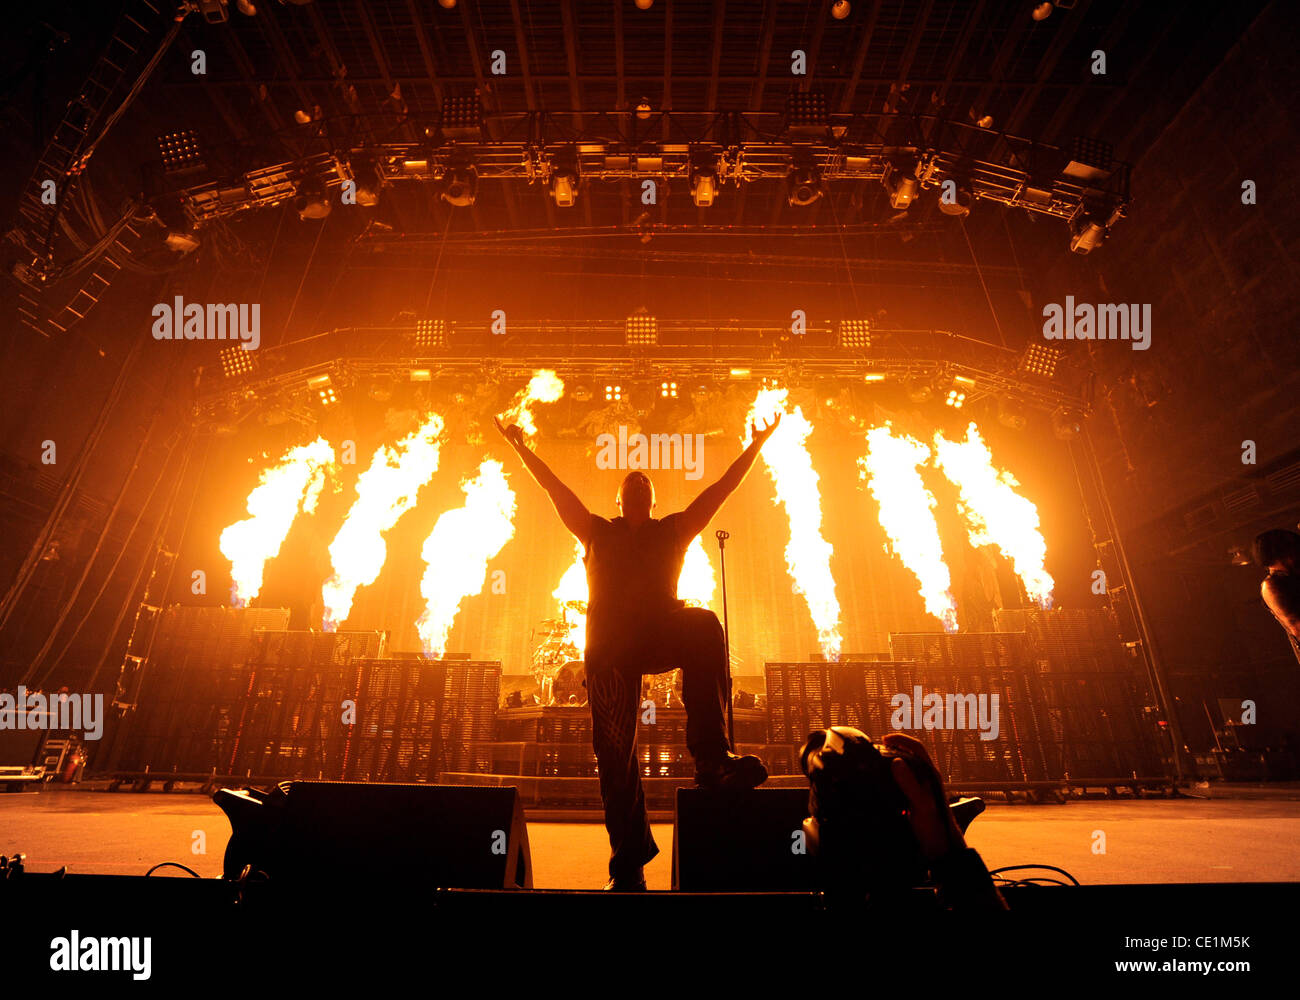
{"points": [[1241, 834]]}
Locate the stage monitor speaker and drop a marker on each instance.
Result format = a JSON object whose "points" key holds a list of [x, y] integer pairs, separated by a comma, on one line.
{"points": [[742, 841], [377, 835]]}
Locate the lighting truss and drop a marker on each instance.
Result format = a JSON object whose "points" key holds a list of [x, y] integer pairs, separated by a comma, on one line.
{"points": [[841, 149], [596, 354]]}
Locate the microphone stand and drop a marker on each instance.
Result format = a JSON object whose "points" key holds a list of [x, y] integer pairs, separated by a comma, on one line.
{"points": [[726, 637]]}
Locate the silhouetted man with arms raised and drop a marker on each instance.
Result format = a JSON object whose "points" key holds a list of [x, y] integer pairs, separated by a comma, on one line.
{"points": [[636, 625]]}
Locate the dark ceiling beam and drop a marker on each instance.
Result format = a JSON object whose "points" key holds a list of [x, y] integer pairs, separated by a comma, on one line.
{"points": [[1114, 32], [998, 71], [666, 102], [426, 51], [814, 50], [245, 67], [859, 59], [700, 78], [487, 94], [1047, 64], [764, 56], [372, 37], [959, 52], [715, 62], [1102, 119], [521, 44], [570, 22], [284, 55], [218, 99], [571, 55], [620, 100], [914, 42]]}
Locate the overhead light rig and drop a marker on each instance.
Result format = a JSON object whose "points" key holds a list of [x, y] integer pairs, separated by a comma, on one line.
{"points": [[684, 352], [557, 151]]}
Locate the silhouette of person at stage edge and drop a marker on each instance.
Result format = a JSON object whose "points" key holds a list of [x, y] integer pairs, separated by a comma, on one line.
{"points": [[636, 625]]}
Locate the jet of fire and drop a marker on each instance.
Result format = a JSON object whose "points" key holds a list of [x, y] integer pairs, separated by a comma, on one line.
{"points": [[696, 585], [808, 554], [385, 491], [292, 484], [544, 387], [994, 512], [571, 589], [458, 550], [891, 468]]}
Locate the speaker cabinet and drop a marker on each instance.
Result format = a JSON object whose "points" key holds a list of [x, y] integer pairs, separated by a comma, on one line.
{"points": [[742, 841], [416, 835]]}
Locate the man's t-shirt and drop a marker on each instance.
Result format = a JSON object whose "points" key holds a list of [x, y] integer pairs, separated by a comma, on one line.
{"points": [[631, 581]]}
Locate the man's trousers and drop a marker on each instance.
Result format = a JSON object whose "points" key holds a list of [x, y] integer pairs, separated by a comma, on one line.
{"points": [[687, 638]]}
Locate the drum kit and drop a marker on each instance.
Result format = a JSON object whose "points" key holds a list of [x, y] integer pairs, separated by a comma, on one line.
{"points": [[557, 660], [559, 671]]}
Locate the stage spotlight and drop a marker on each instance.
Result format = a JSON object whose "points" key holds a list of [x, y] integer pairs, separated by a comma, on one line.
{"points": [[1237, 556], [323, 388], [1040, 359], [613, 393], [581, 393], [1086, 234], [421, 375], [564, 180], [181, 242], [236, 361], [804, 185], [902, 185], [807, 114], [312, 201], [959, 205], [430, 333], [704, 186], [641, 331], [643, 109], [368, 180], [1011, 414], [957, 393], [855, 334], [740, 373], [668, 390], [644, 4], [840, 9], [447, 4], [874, 377], [919, 388], [460, 186], [1067, 423], [1041, 12], [180, 152]]}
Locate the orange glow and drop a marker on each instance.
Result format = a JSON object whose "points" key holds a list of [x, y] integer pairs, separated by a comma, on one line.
{"points": [[292, 484], [891, 468], [544, 387], [994, 512], [385, 491], [458, 550], [808, 554]]}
